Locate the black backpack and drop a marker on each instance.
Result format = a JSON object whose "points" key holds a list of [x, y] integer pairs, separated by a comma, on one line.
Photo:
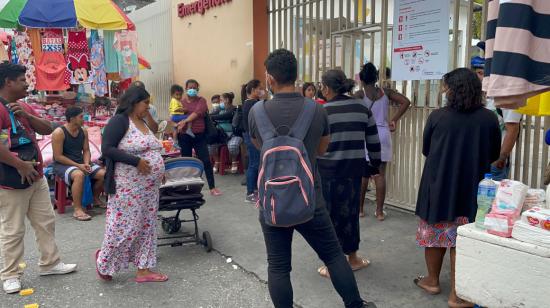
{"points": [[238, 122]]}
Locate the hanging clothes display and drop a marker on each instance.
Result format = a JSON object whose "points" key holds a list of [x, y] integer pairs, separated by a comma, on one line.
{"points": [[3, 53], [99, 77], [52, 40], [26, 57], [126, 47], [111, 61], [36, 42], [517, 60], [50, 72], [78, 58], [13, 51]]}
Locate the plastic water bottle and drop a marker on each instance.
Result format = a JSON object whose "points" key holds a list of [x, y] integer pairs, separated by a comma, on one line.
{"points": [[486, 193]]}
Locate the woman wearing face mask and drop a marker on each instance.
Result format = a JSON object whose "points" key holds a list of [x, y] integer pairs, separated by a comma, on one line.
{"points": [[253, 92], [197, 108], [134, 172], [224, 119], [460, 142], [378, 101]]}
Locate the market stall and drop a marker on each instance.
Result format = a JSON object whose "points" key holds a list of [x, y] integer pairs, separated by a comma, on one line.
{"points": [[77, 52]]}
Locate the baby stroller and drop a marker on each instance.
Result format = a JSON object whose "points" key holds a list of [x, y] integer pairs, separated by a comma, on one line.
{"points": [[182, 191]]}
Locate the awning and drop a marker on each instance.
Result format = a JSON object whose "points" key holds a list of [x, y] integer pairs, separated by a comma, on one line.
{"points": [[9, 13]]}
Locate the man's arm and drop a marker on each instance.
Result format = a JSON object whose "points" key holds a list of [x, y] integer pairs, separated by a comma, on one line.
{"points": [[58, 137], [512, 132], [39, 125]]}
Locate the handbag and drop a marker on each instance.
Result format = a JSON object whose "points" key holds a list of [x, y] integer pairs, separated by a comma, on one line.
{"points": [[19, 142], [210, 130]]}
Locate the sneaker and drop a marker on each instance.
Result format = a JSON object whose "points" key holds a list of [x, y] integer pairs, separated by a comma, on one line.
{"points": [[251, 198], [215, 192], [60, 269], [12, 285]]}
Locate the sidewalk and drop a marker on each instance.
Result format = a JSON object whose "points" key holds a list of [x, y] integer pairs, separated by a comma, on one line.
{"points": [[200, 279]]}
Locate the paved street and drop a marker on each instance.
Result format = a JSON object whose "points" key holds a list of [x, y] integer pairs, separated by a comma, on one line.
{"points": [[200, 279]]}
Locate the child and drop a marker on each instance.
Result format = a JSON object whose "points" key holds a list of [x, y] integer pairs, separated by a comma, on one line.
{"points": [[177, 112]]}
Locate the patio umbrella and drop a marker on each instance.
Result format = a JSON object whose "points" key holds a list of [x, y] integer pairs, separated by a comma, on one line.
{"points": [[97, 14], [9, 13]]}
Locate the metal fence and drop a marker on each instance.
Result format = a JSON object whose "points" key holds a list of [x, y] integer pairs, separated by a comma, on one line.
{"points": [[344, 34]]}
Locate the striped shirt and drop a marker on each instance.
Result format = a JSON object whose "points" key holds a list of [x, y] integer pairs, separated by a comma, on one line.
{"points": [[352, 127]]}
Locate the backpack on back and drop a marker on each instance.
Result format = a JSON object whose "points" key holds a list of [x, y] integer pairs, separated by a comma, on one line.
{"points": [[285, 180]]}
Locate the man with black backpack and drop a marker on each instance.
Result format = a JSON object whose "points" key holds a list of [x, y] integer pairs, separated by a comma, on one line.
{"points": [[24, 191], [291, 132]]}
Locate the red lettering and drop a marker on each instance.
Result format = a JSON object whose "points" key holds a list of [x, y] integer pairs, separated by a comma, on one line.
{"points": [[206, 4], [198, 7], [180, 10]]}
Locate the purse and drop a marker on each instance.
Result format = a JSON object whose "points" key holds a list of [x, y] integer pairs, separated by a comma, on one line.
{"points": [[19, 142]]}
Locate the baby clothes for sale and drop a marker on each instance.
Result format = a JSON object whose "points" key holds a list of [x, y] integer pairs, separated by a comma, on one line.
{"points": [[50, 72], [126, 47], [13, 51], [52, 40], [26, 57], [99, 78], [78, 55], [111, 61]]}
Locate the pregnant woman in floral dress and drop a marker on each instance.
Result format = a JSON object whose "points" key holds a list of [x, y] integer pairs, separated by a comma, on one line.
{"points": [[134, 173]]}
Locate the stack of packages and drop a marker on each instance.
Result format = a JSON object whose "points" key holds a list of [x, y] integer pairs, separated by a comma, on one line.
{"points": [[534, 227], [535, 198], [506, 208]]}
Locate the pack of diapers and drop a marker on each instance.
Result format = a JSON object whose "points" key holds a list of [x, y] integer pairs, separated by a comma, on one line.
{"points": [[537, 217]]}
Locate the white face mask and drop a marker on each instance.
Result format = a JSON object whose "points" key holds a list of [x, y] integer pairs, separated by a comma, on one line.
{"points": [[444, 99]]}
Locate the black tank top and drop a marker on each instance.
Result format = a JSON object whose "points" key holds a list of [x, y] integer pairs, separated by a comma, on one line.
{"points": [[73, 146]]}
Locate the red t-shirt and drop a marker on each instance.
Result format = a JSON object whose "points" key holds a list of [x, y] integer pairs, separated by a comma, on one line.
{"points": [[199, 107], [5, 123]]}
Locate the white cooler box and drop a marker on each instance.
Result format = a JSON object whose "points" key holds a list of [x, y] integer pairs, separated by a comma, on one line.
{"points": [[493, 271]]}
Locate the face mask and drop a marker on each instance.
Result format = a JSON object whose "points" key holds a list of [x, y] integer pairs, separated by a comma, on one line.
{"points": [[444, 99], [222, 106], [215, 106], [261, 93], [269, 90], [192, 92]]}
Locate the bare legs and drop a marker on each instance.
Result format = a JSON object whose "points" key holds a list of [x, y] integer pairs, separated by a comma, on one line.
{"points": [[380, 182]]}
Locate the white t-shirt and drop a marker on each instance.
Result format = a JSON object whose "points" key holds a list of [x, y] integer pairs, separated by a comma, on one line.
{"points": [[508, 115]]}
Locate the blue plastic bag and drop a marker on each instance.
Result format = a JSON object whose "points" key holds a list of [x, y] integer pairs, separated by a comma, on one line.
{"points": [[87, 193]]}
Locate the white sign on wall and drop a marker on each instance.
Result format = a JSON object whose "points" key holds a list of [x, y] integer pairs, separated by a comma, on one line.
{"points": [[420, 39]]}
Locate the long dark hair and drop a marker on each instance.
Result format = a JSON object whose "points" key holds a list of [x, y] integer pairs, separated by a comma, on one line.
{"points": [[248, 87], [338, 82], [133, 96], [464, 90], [306, 86]]}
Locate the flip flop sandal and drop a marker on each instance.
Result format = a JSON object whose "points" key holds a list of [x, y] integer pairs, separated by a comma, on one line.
{"points": [[100, 275], [100, 206], [364, 264], [383, 217], [84, 217], [323, 271], [460, 304], [152, 278], [429, 290]]}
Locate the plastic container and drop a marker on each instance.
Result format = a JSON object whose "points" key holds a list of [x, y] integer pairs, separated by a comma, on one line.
{"points": [[486, 193]]}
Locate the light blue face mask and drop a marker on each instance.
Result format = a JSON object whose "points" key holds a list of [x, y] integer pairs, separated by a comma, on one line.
{"points": [[222, 106], [192, 92]]}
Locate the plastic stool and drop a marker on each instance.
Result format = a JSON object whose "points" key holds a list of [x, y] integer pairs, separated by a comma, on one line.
{"points": [[60, 193], [224, 161]]}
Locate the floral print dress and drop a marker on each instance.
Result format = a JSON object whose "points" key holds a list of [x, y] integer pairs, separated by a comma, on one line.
{"points": [[130, 231]]}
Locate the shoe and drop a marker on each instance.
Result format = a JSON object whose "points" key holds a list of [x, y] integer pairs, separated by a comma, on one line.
{"points": [[12, 285], [215, 192], [252, 198], [234, 168], [216, 167], [60, 269]]}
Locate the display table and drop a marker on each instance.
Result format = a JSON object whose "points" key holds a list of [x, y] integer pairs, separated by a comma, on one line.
{"points": [[493, 271]]}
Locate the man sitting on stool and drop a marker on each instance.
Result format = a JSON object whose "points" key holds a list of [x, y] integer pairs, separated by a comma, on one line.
{"points": [[72, 156]]}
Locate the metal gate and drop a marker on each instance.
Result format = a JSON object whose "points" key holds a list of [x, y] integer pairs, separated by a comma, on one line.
{"points": [[344, 34]]}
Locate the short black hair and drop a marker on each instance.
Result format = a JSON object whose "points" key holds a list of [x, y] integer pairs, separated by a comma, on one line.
{"points": [[369, 74], [10, 71], [73, 112], [133, 96], [464, 90], [191, 81], [217, 96], [337, 81], [283, 66], [176, 88], [138, 83]]}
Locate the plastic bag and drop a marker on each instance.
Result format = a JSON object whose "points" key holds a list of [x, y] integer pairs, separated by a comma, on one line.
{"points": [[87, 193]]}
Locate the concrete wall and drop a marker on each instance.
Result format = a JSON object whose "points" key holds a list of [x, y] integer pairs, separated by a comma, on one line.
{"points": [[215, 48]]}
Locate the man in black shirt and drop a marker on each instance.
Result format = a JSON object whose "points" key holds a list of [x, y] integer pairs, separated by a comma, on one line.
{"points": [[283, 110]]}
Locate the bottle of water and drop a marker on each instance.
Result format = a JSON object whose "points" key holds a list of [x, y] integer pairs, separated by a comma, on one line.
{"points": [[486, 193]]}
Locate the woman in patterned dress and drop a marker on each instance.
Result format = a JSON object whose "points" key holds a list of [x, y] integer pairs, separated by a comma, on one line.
{"points": [[461, 140], [134, 173]]}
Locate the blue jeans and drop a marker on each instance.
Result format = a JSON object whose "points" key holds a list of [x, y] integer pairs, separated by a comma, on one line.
{"points": [[500, 174], [253, 165]]}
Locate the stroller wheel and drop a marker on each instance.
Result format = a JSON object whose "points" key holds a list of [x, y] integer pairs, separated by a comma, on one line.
{"points": [[207, 241], [171, 225]]}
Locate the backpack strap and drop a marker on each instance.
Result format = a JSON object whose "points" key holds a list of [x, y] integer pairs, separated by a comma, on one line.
{"points": [[300, 128], [263, 123], [5, 103]]}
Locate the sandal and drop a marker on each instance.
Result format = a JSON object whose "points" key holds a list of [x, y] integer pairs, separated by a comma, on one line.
{"points": [[234, 167], [323, 271], [460, 304], [100, 275], [364, 264], [82, 217], [380, 217], [429, 290], [362, 214], [153, 277]]}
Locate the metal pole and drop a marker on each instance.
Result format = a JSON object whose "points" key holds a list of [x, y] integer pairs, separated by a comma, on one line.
{"points": [[383, 42], [456, 15]]}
